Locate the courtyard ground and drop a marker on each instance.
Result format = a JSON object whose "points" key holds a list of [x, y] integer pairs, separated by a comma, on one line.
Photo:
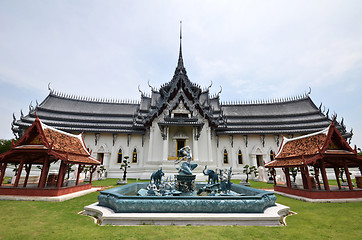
{"points": [[60, 220]]}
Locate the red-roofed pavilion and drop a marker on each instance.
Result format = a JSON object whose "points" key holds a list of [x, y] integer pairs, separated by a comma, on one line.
{"points": [[43, 145], [318, 151]]}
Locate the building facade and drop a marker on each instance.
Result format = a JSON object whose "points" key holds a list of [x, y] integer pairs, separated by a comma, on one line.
{"points": [[180, 113]]}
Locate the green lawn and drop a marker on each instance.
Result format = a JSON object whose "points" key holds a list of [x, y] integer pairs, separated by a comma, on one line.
{"points": [[6, 179], [48, 220]]}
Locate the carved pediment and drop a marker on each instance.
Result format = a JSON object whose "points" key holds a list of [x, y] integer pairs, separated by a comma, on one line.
{"points": [[180, 134]]}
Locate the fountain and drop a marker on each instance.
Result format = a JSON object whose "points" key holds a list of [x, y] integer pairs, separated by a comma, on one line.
{"points": [[212, 203]]}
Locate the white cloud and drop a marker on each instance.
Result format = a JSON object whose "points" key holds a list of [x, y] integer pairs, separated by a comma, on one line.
{"points": [[254, 49]]}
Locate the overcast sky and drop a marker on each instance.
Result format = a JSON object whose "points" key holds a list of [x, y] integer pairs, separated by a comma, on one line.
{"points": [[253, 49]]}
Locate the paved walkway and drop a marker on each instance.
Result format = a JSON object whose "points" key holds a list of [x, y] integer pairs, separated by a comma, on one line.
{"points": [[338, 200], [49, 199]]}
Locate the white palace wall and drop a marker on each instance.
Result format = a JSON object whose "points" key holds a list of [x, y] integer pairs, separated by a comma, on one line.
{"points": [[207, 150]]}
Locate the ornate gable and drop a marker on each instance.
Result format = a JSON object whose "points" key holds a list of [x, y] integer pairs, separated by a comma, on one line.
{"points": [[58, 144], [179, 90]]}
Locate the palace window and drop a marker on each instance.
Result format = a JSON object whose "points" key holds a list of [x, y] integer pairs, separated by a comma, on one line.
{"points": [[119, 158], [180, 143], [271, 155], [100, 157], [226, 158], [134, 156], [259, 160], [240, 157]]}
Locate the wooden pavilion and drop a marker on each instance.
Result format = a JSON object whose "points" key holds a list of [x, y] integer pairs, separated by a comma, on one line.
{"points": [[312, 154], [42, 145]]}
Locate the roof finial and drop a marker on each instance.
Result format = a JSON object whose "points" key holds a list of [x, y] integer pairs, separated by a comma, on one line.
{"points": [[180, 60]]}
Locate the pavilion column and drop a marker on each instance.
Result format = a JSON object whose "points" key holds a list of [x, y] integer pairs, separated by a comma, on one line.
{"points": [[348, 176], [336, 172], [316, 172], [44, 173], [324, 175], [92, 170], [287, 177], [20, 169], [307, 178], [274, 176], [80, 170], [27, 169], [2, 172], [61, 174], [304, 178]]}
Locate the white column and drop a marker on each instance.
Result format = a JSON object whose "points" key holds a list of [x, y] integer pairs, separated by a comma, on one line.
{"points": [[150, 144], [246, 156], [165, 145], [195, 145], [252, 161], [234, 155], [128, 152], [107, 161], [209, 146]]}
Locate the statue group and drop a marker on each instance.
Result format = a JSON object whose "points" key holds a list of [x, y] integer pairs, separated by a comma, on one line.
{"points": [[219, 181], [186, 167], [214, 177]]}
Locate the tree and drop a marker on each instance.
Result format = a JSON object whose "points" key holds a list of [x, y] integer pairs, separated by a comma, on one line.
{"points": [[124, 167], [341, 173], [101, 170], [271, 173], [69, 170], [293, 172], [5, 145], [16, 168], [86, 170], [249, 170]]}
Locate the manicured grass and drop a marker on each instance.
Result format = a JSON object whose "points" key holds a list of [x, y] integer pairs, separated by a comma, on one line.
{"points": [[334, 182], [6, 179], [113, 182], [255, 184], [49, 220]]}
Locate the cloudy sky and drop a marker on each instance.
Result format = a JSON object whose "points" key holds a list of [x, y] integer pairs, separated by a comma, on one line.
{"points": [[253, 49]]}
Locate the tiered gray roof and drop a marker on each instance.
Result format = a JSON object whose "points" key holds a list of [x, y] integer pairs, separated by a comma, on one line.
{"points": [[295, 116], [73, 114]]}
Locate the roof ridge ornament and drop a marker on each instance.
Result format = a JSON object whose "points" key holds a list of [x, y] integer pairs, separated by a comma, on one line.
{"points": [[49, 88], [208, 88], [270, 101], [89, 99], [152, 88], [217, 95], [180, 63]]}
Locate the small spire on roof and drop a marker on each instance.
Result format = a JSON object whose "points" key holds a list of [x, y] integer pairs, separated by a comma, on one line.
{"points": [[180, 59], [51, 90]]}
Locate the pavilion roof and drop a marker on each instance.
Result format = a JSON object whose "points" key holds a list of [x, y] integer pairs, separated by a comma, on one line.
{"points": [[41, 139], [327, 144]]}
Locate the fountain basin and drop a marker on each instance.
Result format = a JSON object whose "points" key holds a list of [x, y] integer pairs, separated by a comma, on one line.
{"points": [[124, 200]]}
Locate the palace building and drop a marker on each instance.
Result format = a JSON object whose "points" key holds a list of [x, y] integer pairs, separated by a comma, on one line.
{"points": [[180, 113]]}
